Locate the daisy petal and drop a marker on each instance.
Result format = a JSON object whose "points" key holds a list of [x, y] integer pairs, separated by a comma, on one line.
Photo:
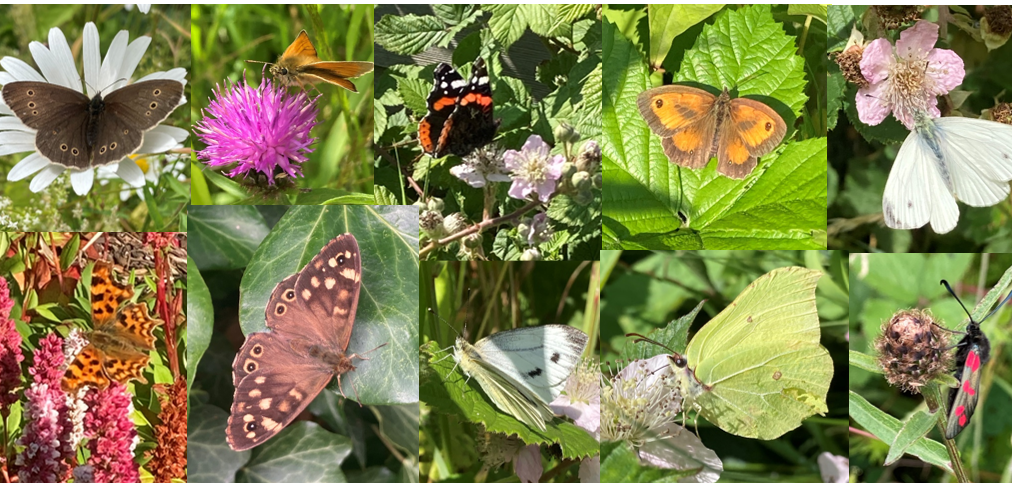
{"points": [[130, 172], [18, 70], [81, 180], [45, 178], [28, 166], [92, 58]]}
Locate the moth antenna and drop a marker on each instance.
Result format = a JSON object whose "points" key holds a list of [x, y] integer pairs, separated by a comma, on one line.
{"points": [[949, 288]]}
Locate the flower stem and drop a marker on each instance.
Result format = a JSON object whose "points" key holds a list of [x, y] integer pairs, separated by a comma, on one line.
{"points": [[477, 228]]}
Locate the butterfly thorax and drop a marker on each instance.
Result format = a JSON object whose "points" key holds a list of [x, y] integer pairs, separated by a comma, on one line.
{"points": [[464, 353], [95, 108], [722, 107], [113, 341]]}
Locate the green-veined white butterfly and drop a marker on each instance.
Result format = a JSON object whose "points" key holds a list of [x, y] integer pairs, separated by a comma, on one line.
{"points": [[522, 370], [757, 369], [942, 160]]}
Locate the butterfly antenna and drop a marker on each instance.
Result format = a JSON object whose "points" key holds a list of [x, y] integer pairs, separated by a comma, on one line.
{"points": [[642, 338]]}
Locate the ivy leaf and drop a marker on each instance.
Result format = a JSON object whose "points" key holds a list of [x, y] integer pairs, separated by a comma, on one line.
{"points": [[200, 318], [388, 239]]}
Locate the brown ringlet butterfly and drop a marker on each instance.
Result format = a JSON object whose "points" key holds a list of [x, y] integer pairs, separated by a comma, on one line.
{"points": [[77, 132], [300, 64]]}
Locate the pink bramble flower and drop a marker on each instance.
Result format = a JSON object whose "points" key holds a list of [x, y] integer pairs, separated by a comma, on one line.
{"points": [[46, 438], [535, 171], [263, 129], [10, 351], [581, 401], [112, 436], [906, 80]]}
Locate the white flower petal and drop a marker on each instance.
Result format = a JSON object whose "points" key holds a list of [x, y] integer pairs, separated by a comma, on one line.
{"points": [[92, 59], [144, 7], [28, 166], [63, 58], [18, 70], [134, 52], [46, 177], [156, 142], [112, 77], [130, 172], [81, 180], [177, 134], [13, 123]]}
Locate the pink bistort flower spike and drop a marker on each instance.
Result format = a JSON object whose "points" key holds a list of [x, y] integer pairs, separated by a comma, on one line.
{"points": [[257, 129], [908, 79], [46, 438], [10, 351], [112, 435]]}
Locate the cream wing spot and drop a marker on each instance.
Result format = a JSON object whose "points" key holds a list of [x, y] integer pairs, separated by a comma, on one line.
{"points": [[251, 435], [350, 274], [265, 403], [343, 295], [338, 310], [332, 262], [248, 417], [295, 394], [284, 406], [306, 294], [269, 424], [330, 283], [315, 282], [260, 380], [254, 393]]}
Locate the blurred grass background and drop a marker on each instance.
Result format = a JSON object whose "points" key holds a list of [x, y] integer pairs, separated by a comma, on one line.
{"points": [[101, 209], [225, 36]]}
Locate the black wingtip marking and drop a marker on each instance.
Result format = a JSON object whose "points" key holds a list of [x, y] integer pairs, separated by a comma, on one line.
{"points": [[535, 372]]}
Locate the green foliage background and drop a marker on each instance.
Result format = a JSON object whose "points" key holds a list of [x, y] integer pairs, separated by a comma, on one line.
{"points": [[881, 285], [224, 36], [344, 441], [571, 76], [773, 54], [863, 155], [642, 291], [164, 204], [489, 298]]}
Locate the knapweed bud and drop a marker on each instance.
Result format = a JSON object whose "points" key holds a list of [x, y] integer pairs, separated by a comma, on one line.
{"points": [[912, 350]]}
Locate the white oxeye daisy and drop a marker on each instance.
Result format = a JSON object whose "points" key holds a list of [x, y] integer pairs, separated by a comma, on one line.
{"points": [[56, 62], [153, 167]]}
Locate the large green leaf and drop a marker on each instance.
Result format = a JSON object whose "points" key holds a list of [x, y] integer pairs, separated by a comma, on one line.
{"points": [[199, 319], [388, 239], [651, 203], [210, 459], [668, 21], [224, 238], [302, 453]]}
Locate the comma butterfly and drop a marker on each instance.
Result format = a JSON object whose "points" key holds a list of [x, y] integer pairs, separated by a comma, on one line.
{"points": [[120, 340]]}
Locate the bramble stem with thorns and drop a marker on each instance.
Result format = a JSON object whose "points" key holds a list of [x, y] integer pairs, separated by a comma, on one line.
{"points": [[477, 228]]}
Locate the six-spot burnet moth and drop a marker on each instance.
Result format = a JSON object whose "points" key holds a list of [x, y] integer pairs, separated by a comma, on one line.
{"points": [[972, 353]]}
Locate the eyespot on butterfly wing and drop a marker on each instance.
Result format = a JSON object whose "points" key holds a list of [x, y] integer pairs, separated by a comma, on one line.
{"points": [[694, 126]]}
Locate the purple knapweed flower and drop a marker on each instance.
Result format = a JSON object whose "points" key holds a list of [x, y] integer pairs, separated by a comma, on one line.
{"points": [[534, 170], [257, 129], [112, 436], [10, 351], [908, 79]]}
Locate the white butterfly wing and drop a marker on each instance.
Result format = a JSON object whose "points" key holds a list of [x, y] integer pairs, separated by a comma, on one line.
{"points": [[979, 155], [534, 362], [915, 193]]}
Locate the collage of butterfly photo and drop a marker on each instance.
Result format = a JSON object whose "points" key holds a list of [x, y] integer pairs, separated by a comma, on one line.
{"points": [[469, 243]]}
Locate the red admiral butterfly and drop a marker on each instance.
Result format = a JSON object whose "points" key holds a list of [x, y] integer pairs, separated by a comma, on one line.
{"points": [[973, 353], [460, 112]]}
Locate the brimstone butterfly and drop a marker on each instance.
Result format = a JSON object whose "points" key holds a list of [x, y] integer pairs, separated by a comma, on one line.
{"points": [[757, 369]]}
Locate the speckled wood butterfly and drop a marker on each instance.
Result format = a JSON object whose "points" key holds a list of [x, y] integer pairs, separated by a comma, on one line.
{"points": [[121, 338], [310, 315]]}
